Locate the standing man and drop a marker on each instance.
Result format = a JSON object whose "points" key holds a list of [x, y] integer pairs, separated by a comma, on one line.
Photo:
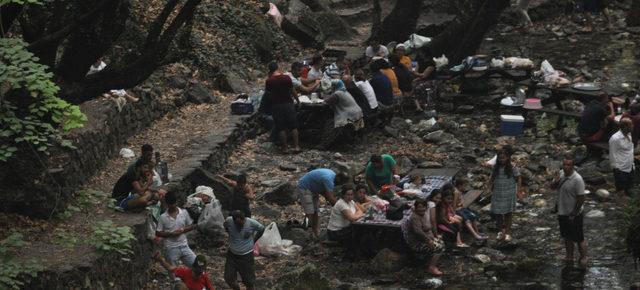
{"points": [[621, 156], [172, 226], [243, 232], [380, 171], [321, 181], [281, 95], [570, 199]]}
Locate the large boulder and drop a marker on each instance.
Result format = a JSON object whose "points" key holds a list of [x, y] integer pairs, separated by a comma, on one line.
{"points": [[231, 82], [283, 194], [198, 94], [300, 24], [387, 261]]}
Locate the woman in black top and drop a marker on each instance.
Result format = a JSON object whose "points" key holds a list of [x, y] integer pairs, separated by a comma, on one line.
{"points": [[241, 194]]}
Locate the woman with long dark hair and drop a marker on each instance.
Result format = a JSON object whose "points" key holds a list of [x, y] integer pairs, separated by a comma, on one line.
{"points": [[505, 181]]}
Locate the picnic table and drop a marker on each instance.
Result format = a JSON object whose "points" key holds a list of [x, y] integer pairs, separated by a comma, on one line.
{"points": [[380, 231], [491, 72]]}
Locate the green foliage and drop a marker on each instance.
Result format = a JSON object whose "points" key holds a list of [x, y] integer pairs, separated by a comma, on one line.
{"points": [[83, 200], [14, 273], [66, 239], [107, 238], [47, 118]]}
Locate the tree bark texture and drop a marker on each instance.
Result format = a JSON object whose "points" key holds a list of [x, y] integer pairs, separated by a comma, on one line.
{"points": [[633, 16]]}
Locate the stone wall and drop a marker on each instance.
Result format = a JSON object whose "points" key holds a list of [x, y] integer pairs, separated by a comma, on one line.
{"points": [[114, 273], [41, 185]]}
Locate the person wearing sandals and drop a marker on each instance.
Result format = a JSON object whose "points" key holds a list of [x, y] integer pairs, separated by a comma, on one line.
{"points": [[419, 236], [504, 183], [449, 224], [343, 213], [469, 217], [571, 194]]}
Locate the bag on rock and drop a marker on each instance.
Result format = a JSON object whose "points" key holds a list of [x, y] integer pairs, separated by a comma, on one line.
{"points": [[272, 244], [211, 221]]}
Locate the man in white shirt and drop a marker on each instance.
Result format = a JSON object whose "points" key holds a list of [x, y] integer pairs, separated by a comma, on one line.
{"points": [[621, 156], [375, 49], [367, 90], [172, 226]]}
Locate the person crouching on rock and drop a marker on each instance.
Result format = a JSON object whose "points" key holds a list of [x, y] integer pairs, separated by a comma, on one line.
{"points": [[133, 190], [194, 278], [504, 183]]}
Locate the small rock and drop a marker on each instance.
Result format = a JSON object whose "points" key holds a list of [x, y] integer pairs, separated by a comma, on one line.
{"points": [[271, 182], [430, 164], [287, 167], [283, 194], [542, 229], [391, 131], [540, 202], [387, 261], [482, 258], [595, 214], [432, 283], [198, 94], [603, 193], [337, 155], [465, 109], [434, 137]]}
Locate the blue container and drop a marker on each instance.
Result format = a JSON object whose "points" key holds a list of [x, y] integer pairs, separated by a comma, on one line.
{"points": [[511, 125]]}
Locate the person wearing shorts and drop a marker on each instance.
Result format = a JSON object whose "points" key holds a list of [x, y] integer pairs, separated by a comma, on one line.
{"points": [[242, 232], [571, 195], [321, 181], [281, 95]]}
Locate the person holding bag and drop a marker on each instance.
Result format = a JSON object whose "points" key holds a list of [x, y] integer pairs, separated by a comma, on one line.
{"points": [[504, 184]]}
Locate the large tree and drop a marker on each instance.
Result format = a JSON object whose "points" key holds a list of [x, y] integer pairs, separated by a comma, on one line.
{"points": [[70, 35]]}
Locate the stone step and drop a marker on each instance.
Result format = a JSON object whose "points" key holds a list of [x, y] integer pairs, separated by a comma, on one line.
{"points": [[357, 14]]}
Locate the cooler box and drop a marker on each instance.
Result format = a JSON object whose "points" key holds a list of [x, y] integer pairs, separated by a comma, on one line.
{"points": [[511, 125]]}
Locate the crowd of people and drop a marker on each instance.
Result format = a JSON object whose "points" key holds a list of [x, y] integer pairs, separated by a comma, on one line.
{"points": [[358, 95]]}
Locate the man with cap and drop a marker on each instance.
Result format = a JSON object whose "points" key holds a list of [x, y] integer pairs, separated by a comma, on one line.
{"points": [[194, 278], [243, 232]]}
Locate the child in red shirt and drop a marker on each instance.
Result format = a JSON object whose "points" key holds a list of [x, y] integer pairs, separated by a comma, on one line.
{"points": [[194, 278]]}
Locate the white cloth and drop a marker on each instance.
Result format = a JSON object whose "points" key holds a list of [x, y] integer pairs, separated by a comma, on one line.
{"points": [[169, 224], [493, 160], [119, 93], [296, 81], [94, 69], [621, 152], [369, 51], [568, 192], [274, 12], [337, 220], [368, 92]]}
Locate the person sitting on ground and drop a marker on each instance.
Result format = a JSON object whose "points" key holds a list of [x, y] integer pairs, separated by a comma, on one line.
{"points": [[449, 224], [363, 201], [375, 49], [413, 187], [380, 170], [357, 94], [193, 277], [621, 157], [345, 109], [133, 191], [281, 93], [404, 77], [426, 87], [172, 226], [365, 87], [432, 201], [418, 234], [241, 195], [146, 156], [404, 59], [381, 85], [469, 217], [315, 73], [634, 115], [596, 118], [504, 184], [343, 213], [243, 232], [298, 85], [120, 93], [314, 183], [386, 69]]}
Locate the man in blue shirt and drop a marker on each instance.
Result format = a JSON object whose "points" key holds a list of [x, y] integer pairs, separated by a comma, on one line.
{"points": [[317, 182], [243, 232], [381, 84]]}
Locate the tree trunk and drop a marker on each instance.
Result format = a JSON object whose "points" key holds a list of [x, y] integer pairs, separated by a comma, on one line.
{"points": [[633, 16], [376, 26], [401, 22], [464, 36]]}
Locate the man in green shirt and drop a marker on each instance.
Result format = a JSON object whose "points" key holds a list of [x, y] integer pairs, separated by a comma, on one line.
{"points": [[380, 171]]}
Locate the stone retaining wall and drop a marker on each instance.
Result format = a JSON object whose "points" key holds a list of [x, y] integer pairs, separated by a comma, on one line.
{"points": [[115, 273]]}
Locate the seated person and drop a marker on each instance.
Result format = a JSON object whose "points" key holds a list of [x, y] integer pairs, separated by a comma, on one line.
{"points": [[343, 213], [596, 118], [375, 49], [345, 109], [469, 217], [193, 277], [413, 187], [100, 65], [418, 234], [241, 194], [434, 198], [315, 73], [357, 94], [386, 69], [381, 84], [343, 64], [146, 156], [365, 87], [363, 201], [405, 79], [404, 59], [298, 85], [449, 224], [380, 171], [133, 191]]}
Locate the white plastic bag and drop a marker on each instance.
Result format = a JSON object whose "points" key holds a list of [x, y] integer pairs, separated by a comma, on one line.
{"points": [[441, 61], [517, 62], [416, 41], [127, 153], [497, 63], [272, 244], [211, 221]]}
